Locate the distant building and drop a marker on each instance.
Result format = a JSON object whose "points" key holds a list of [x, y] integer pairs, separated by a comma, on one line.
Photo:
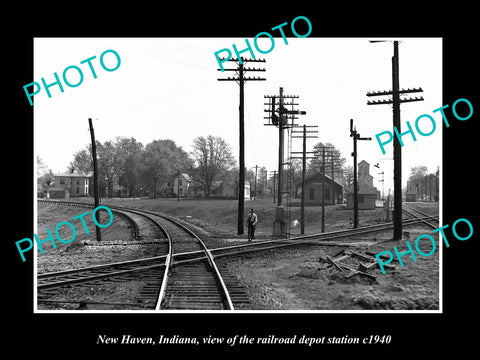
{"points": [[367, 193], [314, 190], [182, 184], [73, 184], [424, 188], [228, 189]]}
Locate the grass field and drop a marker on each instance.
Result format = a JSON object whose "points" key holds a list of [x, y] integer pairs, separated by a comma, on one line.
{"points": [[220, 216]]}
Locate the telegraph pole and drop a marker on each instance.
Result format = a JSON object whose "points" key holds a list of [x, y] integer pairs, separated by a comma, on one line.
{"points": [[304, 166], [397, 148], [274, 181], [356, 136], [240, 79], [322, 172], [281, 121], [323, 189], [255, 183], [95, 178]]}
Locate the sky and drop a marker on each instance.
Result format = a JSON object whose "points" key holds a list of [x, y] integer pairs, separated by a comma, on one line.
{"points": [[167, 88]]}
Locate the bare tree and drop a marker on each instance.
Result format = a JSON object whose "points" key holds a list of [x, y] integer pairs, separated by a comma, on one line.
{"points": [[41, 167], [212, 156]]}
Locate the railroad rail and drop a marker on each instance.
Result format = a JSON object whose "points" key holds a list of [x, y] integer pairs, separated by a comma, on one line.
{"points": [[195, 286], [133, 223], [320, 239], [421, 216], [190, 277]]}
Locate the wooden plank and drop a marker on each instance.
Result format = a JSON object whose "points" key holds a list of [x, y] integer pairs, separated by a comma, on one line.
{"points": [[334, 263], [361, 256]]}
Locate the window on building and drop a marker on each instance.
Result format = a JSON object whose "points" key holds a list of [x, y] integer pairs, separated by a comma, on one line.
{"points": [[78, 190], [361, 198], [311, 194], [78, 182], [62, 181], [180, 182]]}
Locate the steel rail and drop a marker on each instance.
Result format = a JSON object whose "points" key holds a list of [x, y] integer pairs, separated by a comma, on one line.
{"points": [[247, 248], [88, 278], [422, 213], [409, 211], [168, 261], [195, 256], [167, 264], [136, 230], [218, 276], [97, 267]]}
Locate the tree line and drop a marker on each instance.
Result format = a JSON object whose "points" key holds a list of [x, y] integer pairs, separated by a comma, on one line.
{"points": [[145, 169]]}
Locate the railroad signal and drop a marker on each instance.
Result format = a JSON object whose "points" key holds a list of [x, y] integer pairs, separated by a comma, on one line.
{"points": [[356, 136], [279, 117]]}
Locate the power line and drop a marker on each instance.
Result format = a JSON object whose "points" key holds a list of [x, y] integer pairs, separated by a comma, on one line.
{"points": [[397, 149], [240, 79]]}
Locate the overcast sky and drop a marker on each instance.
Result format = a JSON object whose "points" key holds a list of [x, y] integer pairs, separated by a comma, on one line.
{"points": [[167, 88]]}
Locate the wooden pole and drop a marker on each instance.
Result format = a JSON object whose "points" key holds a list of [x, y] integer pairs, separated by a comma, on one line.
{"points": [[95, 178]]}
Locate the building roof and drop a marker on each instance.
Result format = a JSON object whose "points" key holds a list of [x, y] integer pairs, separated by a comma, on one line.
{"points": [[318, 177], [186, 176], [76, 174]]}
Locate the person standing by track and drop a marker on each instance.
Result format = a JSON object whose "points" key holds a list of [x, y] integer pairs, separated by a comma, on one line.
{"points": [[252, 220]]}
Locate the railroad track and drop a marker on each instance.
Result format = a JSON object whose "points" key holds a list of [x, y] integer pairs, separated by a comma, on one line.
{"points": [[186, 276], [198, 286], [132, 220], [257, 246], [423, 217]]}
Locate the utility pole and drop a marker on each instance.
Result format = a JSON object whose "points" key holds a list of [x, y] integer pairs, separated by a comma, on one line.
{"points": [[255, 183], [304, 166], [333, 180], [240, 79], [265, 175], [323, 189], [397, 148], [356, 136], [323, 171], [274, 181], [95, 178], [282, 122]]}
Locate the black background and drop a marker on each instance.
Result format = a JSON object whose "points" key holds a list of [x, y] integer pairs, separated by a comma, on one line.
{"points": [[60, 335]]}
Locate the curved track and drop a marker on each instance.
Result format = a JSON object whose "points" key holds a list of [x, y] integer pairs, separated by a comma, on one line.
{"points": [[186, 276], [194, 286]]}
